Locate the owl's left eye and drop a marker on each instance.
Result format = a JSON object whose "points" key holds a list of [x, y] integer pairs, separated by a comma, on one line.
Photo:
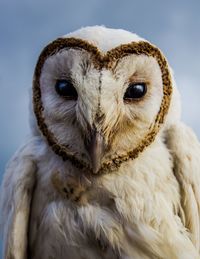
{"points": [[66, 89], [135, 91]]}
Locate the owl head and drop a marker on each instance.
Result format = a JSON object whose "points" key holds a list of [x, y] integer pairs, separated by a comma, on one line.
{"points": [[101, 96]]}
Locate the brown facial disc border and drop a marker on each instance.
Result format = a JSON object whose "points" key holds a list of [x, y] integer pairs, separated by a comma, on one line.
{"points": [[100, 60]]}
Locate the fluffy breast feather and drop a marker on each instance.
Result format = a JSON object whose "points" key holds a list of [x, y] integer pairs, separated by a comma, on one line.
{"points": [[132, 211]]}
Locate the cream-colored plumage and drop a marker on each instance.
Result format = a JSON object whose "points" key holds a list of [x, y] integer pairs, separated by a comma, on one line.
{"points": [[147, 207]]}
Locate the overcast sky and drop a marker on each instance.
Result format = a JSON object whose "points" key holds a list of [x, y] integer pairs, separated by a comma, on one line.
{"points": [[26, 26]]}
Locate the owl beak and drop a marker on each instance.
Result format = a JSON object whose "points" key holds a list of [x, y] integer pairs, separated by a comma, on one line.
{"points": [[96, 149]]}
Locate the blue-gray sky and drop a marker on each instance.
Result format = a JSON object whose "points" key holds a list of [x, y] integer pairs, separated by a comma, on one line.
{"points": [[27, 25]]}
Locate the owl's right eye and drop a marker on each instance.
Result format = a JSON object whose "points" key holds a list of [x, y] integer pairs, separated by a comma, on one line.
{"points": [[66, 89]]}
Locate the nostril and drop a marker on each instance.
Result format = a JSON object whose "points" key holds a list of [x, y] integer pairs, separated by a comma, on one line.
{"points": [[99, 118]]}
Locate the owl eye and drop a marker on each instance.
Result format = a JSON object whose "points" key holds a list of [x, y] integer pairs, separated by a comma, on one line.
{"points": [[135, 91], [66, 89]]}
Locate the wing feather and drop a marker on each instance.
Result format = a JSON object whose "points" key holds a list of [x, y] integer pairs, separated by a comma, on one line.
{"points": [[185, 149], [15, 200]]}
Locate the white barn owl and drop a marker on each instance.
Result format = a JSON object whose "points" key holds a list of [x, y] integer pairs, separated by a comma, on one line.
{"points": [[110, 171]]}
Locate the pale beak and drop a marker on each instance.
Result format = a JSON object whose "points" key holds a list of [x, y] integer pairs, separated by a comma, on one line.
{"points": [[96, 148]]}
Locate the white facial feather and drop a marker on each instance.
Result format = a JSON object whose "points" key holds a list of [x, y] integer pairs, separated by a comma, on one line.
{"points": [[68, 120]]}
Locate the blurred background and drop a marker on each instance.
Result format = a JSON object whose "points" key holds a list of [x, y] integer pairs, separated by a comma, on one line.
{"points": [[26, 26]]}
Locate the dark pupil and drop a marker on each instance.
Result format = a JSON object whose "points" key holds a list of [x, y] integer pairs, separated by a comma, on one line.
{"points": [[66, 89], [135, 91]]}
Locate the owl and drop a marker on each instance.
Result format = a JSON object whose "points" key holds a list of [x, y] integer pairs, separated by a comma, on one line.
{"points": [[109, 170]]}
